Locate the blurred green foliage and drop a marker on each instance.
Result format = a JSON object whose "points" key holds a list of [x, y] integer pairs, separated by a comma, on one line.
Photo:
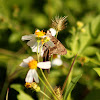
{"points": [[20, 17]]}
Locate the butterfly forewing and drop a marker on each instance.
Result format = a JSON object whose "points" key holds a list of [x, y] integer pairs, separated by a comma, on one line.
{"points": [[57, 48]]}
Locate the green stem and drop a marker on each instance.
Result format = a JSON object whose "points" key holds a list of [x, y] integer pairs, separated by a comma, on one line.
{"points": [[7, 94], [69, 80], [45, 94], [48, 82], [64, 85], [56, 34], [4, 90], [46, 86], [46, 74], [51, 57]]}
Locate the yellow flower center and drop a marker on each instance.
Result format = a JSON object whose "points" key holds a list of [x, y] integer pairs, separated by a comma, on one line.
{"points": [[42, 40], [32, 86], [32, 64], [46, 39], [28, 85], [39, 33]]}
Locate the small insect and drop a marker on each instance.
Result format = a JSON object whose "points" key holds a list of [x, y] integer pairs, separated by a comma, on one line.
{"points": [[57, 48]]}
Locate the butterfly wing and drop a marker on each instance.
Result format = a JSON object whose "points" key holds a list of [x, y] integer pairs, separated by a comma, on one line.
{"points": [[58, 48]]}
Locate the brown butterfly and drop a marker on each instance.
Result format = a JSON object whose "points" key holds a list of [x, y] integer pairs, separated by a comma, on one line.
{"points": [[57, 48]]}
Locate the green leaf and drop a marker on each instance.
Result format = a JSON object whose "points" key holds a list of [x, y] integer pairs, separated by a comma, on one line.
{"points": [[84, 39], [97, 41], [22, 95], [97, 70], [98, 55], [90, 50], [94, 27], [75, 44], [71, 86], [17, 87]]}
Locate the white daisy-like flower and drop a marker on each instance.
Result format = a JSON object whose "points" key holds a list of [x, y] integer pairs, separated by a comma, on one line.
{"points": [[33, 64], [57, 61], [33, 40]]}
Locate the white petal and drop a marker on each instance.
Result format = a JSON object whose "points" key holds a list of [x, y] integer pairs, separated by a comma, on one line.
{"points": [[53, 31], [28, 37], [44, 65], [56, 62], [23, 64], [30, 76], [31, 42], [36, 77], [27, 60], [34, 48]]}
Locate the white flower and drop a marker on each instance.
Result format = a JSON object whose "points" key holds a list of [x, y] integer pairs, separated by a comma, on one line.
{"points": [[32, 64], [53, 31], [32, 76], [57, 61], [33, 41]]}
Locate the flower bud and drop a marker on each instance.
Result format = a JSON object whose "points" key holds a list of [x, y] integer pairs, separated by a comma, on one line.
{"points": [[79, 24]]}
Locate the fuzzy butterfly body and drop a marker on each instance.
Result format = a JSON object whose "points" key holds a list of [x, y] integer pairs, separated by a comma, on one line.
{"points": [[57, 48]]}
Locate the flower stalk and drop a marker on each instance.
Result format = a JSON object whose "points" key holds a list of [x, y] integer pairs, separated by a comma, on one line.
{"points": [[47, 87], [68, 74], [4, 89], [45, 95], [48, 82]]}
